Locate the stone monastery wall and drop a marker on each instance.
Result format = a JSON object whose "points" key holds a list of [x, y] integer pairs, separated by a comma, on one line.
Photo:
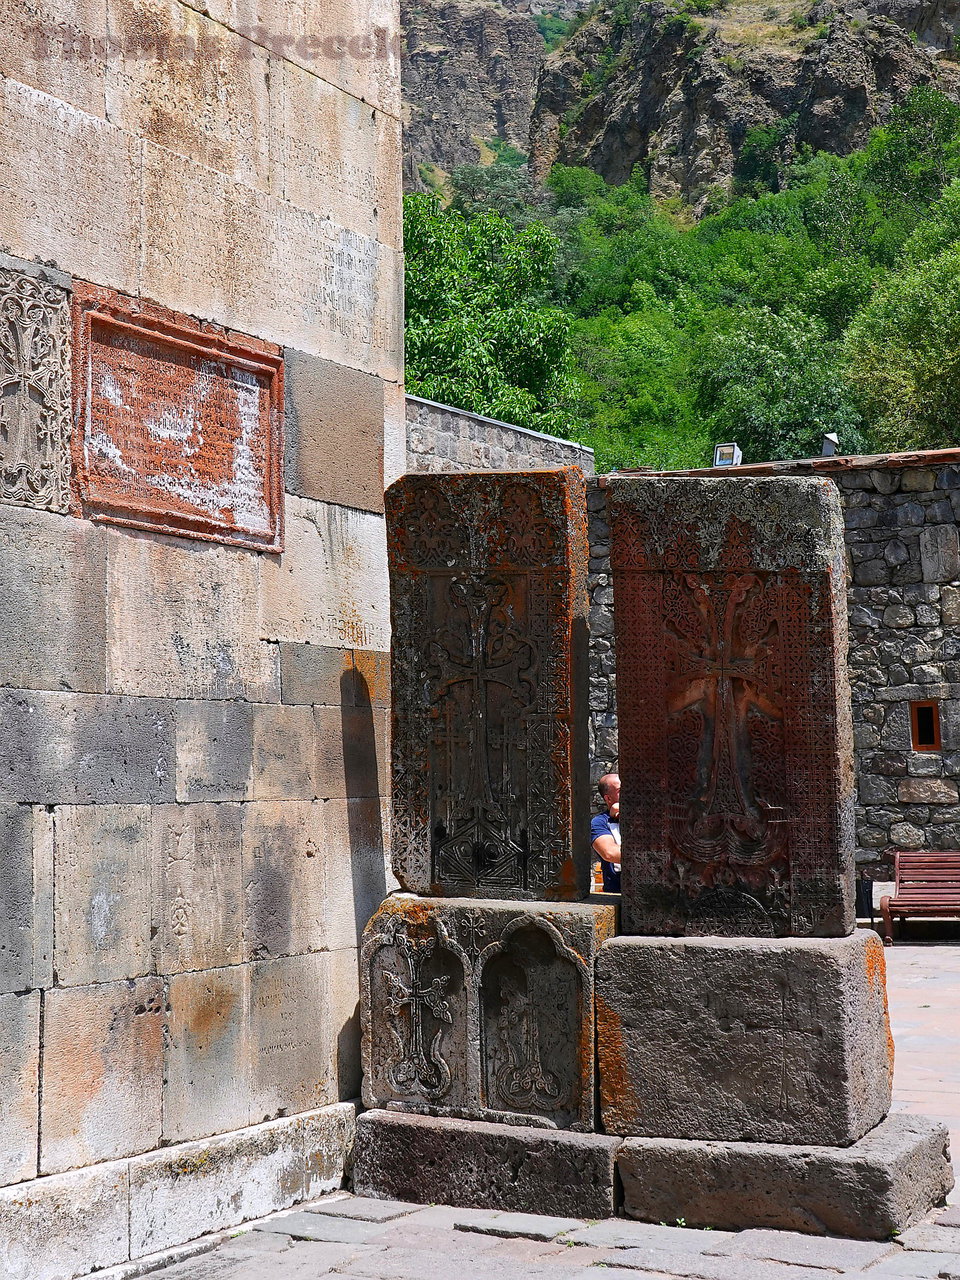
{"points": [[196, 212]]}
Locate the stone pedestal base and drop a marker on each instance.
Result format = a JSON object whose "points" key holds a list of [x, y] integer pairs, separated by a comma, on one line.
{"points": [[476, 1165], [881, 1184], [744, 1039]]}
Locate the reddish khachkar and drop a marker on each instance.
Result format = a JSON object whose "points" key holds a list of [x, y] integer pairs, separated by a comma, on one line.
{"points": [[488, 614], [736, 755], [178, 423]]}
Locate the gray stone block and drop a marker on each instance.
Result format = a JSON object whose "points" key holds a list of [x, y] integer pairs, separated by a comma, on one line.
{"points": [[75, 748], [103, 893], [53, 584], [197, 886], [19, 1070], [940, 553], [482, 1009], [333, 412], [739, 1039], [284, 745], [315, 1226], [485, 1166], [26, 906], [364, 1208], [214, 750], [881, 1184], [316, 673], [207, 1068], [293, 1049]]}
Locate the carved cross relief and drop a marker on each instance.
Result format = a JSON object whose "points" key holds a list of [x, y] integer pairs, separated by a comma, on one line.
{"points": [[34, 392]]}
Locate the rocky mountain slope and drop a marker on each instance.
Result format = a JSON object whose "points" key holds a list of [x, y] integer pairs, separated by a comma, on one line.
{"points": [[469, 74], [676, 85]]}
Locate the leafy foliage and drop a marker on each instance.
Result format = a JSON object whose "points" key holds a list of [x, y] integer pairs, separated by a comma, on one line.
{"points": [[823, 297], [479, 331]]}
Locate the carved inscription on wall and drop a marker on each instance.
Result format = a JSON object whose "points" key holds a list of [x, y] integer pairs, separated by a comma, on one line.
{"points": [[179, 424], [488, 604], [34, 390], [733, 704], [482, 1009]]}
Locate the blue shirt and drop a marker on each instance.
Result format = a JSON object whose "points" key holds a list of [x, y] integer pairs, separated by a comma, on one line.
{"points": [[603, 825]]}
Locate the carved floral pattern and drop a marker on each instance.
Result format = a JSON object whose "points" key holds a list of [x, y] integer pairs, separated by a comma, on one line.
{"points": [[34, 392]]}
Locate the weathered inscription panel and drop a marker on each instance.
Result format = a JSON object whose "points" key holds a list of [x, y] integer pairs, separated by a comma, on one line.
{"points": [[34, 387], [179, 424], [482, 1009], [488, 610], [734, 708]]}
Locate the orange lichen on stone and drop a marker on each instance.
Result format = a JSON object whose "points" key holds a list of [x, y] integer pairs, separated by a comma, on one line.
{"points": [[876, 967], [616, 1087]]}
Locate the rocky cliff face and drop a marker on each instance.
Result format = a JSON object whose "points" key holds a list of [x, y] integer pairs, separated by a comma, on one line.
{"points": [[653, 83], [469, 73]]}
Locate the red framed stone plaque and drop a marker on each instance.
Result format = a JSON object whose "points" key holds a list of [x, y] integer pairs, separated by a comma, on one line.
{"points": [[736, 750], [178, 423]]}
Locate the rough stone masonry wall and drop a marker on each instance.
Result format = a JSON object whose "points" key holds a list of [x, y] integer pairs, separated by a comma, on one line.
{"points": [[193, 747], [901, 513]]}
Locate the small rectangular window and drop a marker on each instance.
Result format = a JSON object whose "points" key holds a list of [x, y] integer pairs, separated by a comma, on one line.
{"points": [[925, 726]]}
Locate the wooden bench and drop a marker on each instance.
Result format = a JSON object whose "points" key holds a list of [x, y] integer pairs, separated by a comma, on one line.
{"points": [[927, 884]]}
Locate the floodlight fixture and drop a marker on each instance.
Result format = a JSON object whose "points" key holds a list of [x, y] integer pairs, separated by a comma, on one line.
{"points": [[727, 455]]}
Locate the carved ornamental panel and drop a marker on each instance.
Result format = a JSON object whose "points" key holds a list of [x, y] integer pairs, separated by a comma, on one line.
{"points": [[179, 424], [482, 1010], [488, 610], [736, 754], [34, 390]]}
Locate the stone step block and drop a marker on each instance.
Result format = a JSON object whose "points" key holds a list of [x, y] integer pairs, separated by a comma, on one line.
{"points": [[482, 1010], [514, 1168], [187, 1190], [744, 1039], [880, 1185]]}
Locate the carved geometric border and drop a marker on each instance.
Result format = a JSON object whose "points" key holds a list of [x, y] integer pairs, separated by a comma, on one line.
{"points": [[199, 453]]}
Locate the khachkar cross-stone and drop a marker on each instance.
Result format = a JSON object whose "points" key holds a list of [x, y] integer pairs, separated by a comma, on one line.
{"points": [[34, 390], [733, 706], [489, 605]]}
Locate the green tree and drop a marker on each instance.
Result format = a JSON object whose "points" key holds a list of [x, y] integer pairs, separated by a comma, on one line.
{"points": [[912, 158], [480, 333], [773, 383], [903, 356]]}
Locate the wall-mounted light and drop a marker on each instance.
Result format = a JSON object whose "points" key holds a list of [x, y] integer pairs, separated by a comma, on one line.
{"points": [[831, 444], [727, 455]]}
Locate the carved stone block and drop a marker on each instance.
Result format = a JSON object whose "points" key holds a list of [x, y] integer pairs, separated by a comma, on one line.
{"points": [[482, 1009], [427, 1160], [736, 751], [488, 606], [180, 423], [197, 886], [744, 1040], [34, 387]]}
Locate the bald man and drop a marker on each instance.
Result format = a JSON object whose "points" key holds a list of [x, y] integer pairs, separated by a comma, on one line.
{"points": [[605, 832]]}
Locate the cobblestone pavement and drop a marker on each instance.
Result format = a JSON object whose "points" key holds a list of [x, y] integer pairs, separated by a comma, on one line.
{"points": [[354, 1239]]}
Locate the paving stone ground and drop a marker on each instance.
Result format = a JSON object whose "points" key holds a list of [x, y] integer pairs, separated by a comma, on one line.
{"points": [[354, 1239]]}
